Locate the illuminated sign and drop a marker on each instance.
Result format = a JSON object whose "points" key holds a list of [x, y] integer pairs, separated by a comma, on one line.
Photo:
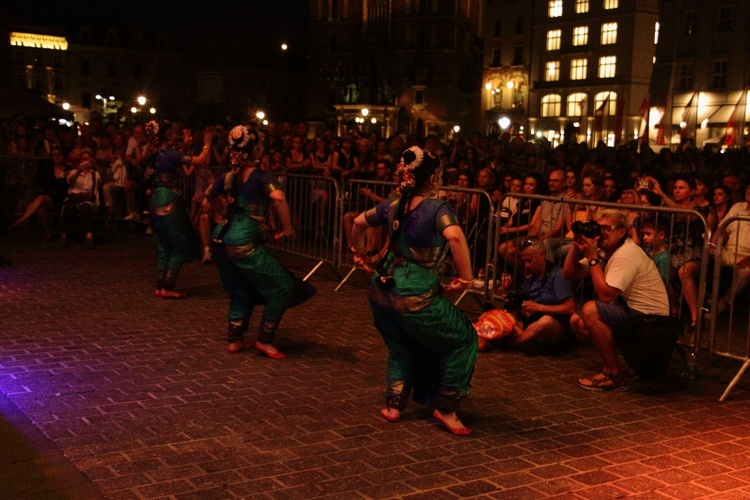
{"points": [[38, 41]]}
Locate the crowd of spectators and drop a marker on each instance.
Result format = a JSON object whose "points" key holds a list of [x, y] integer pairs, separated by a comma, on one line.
{"points": [[497, 165]]}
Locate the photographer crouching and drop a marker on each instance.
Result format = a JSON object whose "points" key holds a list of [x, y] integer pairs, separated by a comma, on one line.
{"points": [[627, 285], [544, 305]]}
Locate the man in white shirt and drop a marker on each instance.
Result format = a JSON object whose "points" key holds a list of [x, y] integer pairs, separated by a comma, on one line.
{"points": [[627, 284]]}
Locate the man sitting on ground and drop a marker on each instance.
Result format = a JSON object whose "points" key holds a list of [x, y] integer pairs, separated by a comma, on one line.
{"points": [[549, 303]]}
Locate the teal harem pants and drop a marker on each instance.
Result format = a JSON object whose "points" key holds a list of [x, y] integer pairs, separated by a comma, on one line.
{"points": [[432, 351], [254, 280]]}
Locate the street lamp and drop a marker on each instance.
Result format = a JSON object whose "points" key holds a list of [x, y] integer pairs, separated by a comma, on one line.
{"points": [[152, 111], [365, 111], [456, 129], [141, 100], [260, 115], [504, 122], [66, 106], [284, 46]]}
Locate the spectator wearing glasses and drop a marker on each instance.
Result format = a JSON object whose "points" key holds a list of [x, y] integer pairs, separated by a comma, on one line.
{"points": [[627, 284]]}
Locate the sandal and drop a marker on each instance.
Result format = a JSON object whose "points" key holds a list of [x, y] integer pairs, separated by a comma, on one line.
{"points": [[604, 381]]}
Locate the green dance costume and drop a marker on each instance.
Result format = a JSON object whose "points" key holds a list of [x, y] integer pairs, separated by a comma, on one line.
{"points": [[250, 275], [432, 347], [169, 220]]}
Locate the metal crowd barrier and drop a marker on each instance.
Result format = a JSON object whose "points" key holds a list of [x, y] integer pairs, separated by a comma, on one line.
{"points": [[357, 196], [313, 207], [504, 270], [730, 336], [360, 195]]}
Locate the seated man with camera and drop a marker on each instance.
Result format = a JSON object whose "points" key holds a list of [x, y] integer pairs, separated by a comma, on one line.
{"points": [[627, 285], [543, 306]]}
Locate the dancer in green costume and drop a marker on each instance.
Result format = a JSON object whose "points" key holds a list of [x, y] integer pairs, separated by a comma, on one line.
{"points": [[250, 275], [432, 347], [174, 234]]}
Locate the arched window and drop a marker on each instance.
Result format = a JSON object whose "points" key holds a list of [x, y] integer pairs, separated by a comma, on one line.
{"points": [[576, 104], [551, 104]]}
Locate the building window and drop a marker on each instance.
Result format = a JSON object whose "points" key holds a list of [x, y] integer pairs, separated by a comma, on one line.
{"points": [[609, 33], [725, 19], [578, 69], [691, 24], [419, 97], [607, 66], [56, 62], [580, 35], [552, 72], [20, 59], [611, 4], [495, 58], [686, 77], [519, 25], [498, 28], [553, 39], [111, 69], [576, 104], [85, 67], [86, 100], [497, 97], [719, 78], [551, 105], [518, 56], [582, 6], [555, 8]]}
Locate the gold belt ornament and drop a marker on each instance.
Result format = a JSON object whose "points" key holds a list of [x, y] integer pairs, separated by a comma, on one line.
{"points": [[410, 304], [241, 251]]}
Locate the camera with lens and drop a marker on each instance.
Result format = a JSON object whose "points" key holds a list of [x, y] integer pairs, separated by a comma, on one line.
{"points": [[644, 185], [589, 229], [514, 299]]}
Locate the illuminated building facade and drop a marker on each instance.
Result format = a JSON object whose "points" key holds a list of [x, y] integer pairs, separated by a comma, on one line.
{"points": [[415, 65]]}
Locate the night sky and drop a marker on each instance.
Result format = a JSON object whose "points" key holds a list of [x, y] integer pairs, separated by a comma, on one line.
{"points": [[210, 27]]}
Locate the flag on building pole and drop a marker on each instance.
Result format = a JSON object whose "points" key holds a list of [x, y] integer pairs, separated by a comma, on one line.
{"points": [[599, 119], [686, 116], [619, 119], [643, 110], [730, 132], [660, 140], [582, 122]]}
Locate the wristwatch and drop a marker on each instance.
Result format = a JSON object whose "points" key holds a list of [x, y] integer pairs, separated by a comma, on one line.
{"points": [[594, 262]]}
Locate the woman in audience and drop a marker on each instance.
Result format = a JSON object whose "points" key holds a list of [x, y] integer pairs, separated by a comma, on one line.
{"points": [[53, 184]]}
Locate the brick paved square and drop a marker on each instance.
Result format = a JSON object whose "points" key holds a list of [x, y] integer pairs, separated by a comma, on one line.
{"points": [[142, 397]]}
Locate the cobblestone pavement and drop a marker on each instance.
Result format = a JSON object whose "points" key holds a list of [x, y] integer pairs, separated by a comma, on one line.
{"points": [[140, 395]]}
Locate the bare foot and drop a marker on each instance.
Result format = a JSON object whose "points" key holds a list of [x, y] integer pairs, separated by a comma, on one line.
{"points": [[451, 422], [391, 414], [239, 346], [172, 294], [269, 350]]}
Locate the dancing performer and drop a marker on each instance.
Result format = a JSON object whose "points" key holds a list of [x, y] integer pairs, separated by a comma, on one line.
{"points": [[249, 273], [432, 347], [174, 233]]}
